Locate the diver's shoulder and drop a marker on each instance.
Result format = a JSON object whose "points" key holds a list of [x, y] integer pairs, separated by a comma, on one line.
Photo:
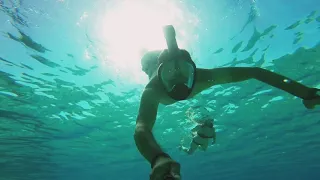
{"points": [[153, 53], [155, 88], [151, 90], [153, 83]]}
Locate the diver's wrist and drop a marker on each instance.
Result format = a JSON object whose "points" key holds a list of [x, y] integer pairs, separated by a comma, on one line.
{"points": [[313, 93], [157, 157]]}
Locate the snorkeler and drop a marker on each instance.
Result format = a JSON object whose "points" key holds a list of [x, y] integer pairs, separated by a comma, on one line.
{"points": [[174, 77], [202, 133]]}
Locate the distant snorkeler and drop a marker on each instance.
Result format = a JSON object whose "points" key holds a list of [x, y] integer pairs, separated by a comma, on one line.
{"points": [[202, 133], [173, 77]]}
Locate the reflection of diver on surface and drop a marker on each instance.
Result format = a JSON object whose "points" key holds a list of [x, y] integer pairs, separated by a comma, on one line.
{"points": [[27, 41], [202, 134], [173, 77], [252, 15], [13, 11]]}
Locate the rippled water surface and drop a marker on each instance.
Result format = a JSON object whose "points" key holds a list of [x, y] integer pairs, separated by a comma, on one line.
{"points": [[71, 81]]}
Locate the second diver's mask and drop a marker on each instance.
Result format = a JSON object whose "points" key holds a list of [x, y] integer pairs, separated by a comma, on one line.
{"points": [[177, 71]]}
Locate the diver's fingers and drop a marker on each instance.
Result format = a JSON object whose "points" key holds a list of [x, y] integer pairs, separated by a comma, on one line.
{"points": [[175, 170], [311, 104], [157, 174]]}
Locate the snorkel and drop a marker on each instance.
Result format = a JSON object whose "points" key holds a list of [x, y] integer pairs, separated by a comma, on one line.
{"points": [[170, 35], [179, 90]]}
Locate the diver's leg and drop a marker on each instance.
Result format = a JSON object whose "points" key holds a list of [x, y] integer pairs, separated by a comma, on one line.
{"points": [[193, 147], [204, 146], [209, 77]]}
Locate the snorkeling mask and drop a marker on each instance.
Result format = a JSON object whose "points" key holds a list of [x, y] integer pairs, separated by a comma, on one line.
{"points": [[171, 178], [177, 71]]}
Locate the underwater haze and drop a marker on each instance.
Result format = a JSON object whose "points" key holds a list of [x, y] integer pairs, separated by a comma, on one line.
{"points": [[71, 81]]}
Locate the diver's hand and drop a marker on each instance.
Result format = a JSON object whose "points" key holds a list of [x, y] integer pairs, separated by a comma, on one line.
{"points": [[165, 169], [312, 103], [213, 141]]}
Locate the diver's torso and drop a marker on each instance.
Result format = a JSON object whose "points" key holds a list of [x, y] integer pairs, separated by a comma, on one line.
{"points": [[203, 135], [206, 131]]}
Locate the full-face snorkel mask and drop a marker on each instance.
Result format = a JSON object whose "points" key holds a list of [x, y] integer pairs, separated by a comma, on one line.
{"points": [[177, 71]]}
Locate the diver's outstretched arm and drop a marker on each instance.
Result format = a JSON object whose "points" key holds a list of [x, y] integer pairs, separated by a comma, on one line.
{"points": [[143, 135], [209, 77], [195, 129]]}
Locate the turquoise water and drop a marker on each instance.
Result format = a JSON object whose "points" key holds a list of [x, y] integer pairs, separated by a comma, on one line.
{"points": [[70, 83]]}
